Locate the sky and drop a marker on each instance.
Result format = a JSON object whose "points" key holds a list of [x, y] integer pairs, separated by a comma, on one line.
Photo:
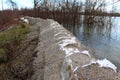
{"points": [[20, 3], [29, 4]]}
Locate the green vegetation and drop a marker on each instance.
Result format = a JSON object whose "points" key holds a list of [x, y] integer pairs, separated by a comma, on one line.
{"points": [[10, 40], [16, 52], [17, 33]]}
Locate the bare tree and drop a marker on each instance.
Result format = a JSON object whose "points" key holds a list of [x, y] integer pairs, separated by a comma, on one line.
{"points": [[13, 4], [36, 6], [93, 8]]}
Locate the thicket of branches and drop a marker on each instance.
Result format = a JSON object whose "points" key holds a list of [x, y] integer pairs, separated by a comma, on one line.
{"points": [[64, 11]]}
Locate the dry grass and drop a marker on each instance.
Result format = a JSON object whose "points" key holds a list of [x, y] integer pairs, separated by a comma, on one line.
{"points": [[10, 40]]}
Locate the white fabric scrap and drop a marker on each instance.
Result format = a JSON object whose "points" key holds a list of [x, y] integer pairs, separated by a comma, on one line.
{"points": [[70, 51], [65, 42], [75, 69], [86, 53], [103, 63], [106, 63], [24, 20]]}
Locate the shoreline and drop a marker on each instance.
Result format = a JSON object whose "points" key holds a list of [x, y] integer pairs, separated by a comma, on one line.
{"points": [[55, 42]]}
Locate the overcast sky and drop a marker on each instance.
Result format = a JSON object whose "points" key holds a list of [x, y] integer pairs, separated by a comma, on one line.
{"points": [[20, 3], [29, 4]]}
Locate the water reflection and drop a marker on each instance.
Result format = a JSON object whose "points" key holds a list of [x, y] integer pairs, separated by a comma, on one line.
{"points": [[103, 40]]}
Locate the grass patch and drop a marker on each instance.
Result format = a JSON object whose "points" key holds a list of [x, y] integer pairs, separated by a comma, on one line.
{"points": [[16, 33], [10, 39]]}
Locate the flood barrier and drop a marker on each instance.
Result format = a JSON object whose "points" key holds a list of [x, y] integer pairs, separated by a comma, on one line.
{"points": [[60, 56]]}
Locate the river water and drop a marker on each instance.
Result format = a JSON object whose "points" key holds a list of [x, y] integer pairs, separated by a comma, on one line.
{"points": [[103, 41]]}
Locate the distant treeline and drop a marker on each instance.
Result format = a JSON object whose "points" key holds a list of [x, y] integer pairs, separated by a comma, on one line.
{"points": [[65, 11]]}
